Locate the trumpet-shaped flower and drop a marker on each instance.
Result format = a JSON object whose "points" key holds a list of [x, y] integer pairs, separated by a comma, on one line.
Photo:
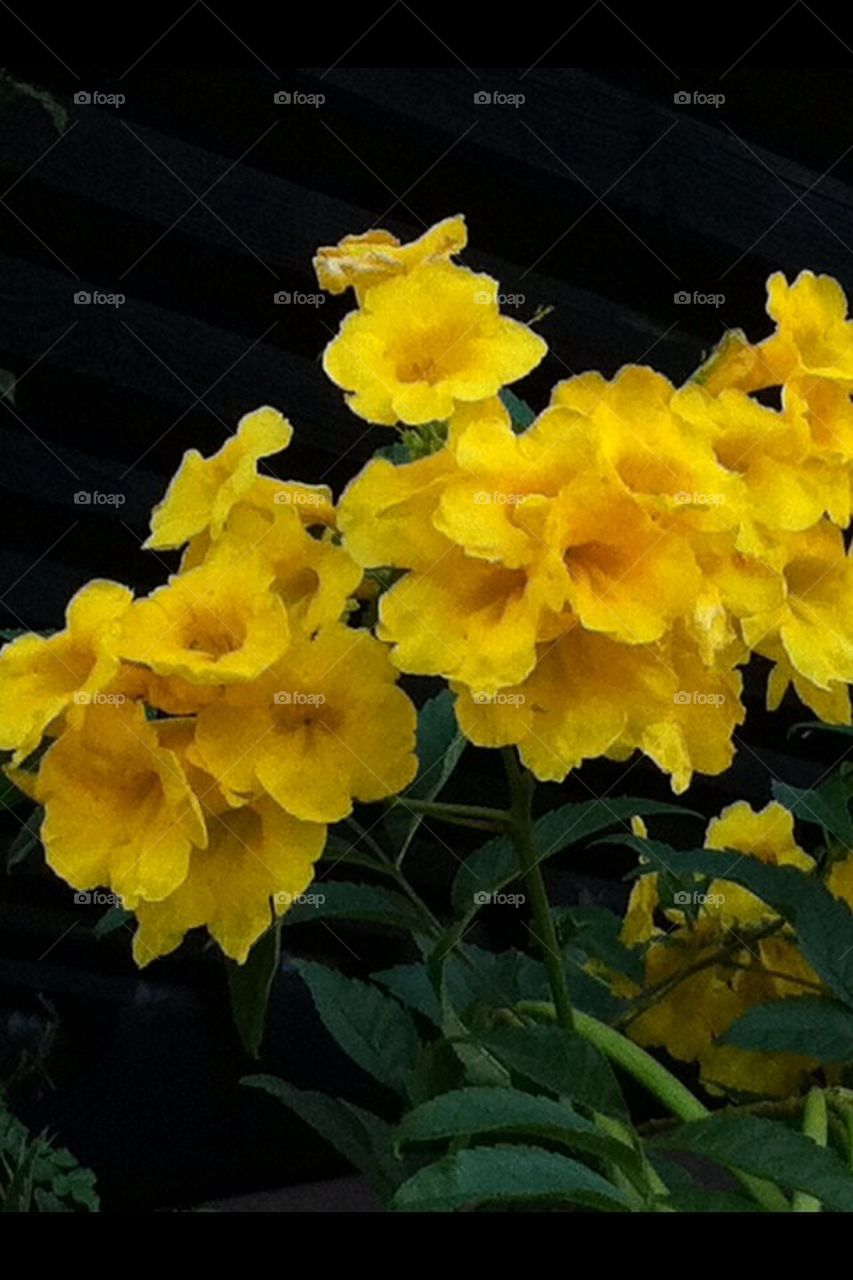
{"points": [[41, 677], [204, 490], [118, 809], [213, 625], [322, 726], [257, 861], [362, 261], [425, 341]]}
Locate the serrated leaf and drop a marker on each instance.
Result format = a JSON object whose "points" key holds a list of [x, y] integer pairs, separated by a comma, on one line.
{"points": [[371, 1027], [807, 1025], [506, 1175], [250, 985], [472, 1112], [361, 1137], [495, 865], [827, 806], [596, 931], [343, 900], [565, 1064], [766, 1149]]}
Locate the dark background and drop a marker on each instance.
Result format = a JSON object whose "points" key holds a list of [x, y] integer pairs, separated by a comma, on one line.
{"points": [[199, 199]]}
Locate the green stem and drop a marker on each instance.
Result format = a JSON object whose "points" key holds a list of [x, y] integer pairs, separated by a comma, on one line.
{"points": [[815, 1126], [659, 1082], [521, 830], [458, 814]]}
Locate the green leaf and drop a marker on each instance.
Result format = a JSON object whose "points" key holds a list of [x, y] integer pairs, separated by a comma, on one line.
{"points": [[8, 383], [827, 806], [27, 841], [565, 1064], [495, 864], [480, 1111], [807, 1025], [113, 918], [519, 410], [595, 930], [345, 901], [361, 1137], [371, 1027], [250, 985], [766, 1149], [439, 747], [506, 1175]]}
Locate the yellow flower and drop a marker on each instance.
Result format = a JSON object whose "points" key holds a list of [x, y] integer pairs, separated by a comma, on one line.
{"points": [[813, 338], [814, 624], [204, 490], [365, 260], [257, 860], [767, 835], [323, 726], [591, 696], [643, 441], [41, 677], [213, 625], [424, 342], [118, 810], [313, 576]]}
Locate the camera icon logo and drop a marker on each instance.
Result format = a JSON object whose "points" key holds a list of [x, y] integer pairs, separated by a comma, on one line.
{"points": [[681, 298], [282, 97], [82, 98], [681, 99], [281, 299], [681, 899], [82, 298], [682, 698], [82, 498], [283, 698], [81, 899], [481, 898], [482, 98]]}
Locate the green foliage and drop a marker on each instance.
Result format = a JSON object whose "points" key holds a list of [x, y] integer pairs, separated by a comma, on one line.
{"points": [[250, 985], [38, 1177]]}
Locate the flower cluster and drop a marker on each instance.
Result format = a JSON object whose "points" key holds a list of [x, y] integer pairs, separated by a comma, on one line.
{"points": [[590, 584], [200, 739], [710, 959]]}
